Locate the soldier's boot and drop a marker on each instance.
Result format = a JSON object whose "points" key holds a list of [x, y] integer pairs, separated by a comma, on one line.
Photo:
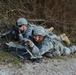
{"points": [[51, 29], [65, 38], [73, 49], [49, 55]]}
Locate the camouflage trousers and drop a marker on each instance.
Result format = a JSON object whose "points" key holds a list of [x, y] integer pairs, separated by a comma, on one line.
{"points": [[59, 49]]}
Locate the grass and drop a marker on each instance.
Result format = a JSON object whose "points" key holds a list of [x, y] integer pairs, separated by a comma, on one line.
{"points": [[7, 57]]}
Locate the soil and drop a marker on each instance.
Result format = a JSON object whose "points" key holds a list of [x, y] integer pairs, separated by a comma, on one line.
{"points": [[64, 65]]}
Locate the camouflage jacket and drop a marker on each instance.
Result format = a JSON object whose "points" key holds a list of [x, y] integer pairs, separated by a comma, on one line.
{"points": [[25, 34]]}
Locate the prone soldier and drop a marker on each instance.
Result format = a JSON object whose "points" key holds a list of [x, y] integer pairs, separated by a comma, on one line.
{"points": [[42, 44]]}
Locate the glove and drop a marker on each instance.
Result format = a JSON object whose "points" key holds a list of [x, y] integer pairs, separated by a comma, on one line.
{"points": [[27, 42], [19, 31]]}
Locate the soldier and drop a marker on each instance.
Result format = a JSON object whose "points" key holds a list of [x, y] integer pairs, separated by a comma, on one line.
{"points": [[42, 44], [24, 28]]}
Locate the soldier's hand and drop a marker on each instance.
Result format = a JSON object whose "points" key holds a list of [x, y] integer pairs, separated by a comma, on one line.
{"points": [[27, 42], [19, 31]]}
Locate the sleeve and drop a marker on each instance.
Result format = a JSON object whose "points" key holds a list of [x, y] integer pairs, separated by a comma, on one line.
{"points": [[20, 37], [35, 50], [43, 48], [29, 32]]}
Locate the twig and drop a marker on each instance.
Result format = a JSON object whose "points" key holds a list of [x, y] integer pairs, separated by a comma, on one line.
{"points": [[36, 20], [44, 22]]}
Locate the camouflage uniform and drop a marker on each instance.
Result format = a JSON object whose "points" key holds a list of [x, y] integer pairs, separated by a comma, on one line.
{"points": [[24, 34], [51, 47]]}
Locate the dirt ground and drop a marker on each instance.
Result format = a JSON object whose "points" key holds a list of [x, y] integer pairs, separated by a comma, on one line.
{"points": [[56, 66]]}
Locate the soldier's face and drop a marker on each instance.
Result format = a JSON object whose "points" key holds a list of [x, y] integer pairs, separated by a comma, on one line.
{"points": [[38, 38], [23, 27]]}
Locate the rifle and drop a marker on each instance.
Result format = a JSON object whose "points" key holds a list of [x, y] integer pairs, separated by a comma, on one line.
{"points": [[5, 35], [16, 47]]}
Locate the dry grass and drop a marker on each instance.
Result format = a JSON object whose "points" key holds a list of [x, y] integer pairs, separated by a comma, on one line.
{"points": [[61, 14]]}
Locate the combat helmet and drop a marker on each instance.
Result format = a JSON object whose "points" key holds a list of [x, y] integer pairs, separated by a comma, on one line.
{"points": [[39, 30], [21, 21]]}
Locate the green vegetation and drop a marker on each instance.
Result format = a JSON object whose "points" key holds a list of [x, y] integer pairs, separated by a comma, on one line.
{"points": [[7, 57]]}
